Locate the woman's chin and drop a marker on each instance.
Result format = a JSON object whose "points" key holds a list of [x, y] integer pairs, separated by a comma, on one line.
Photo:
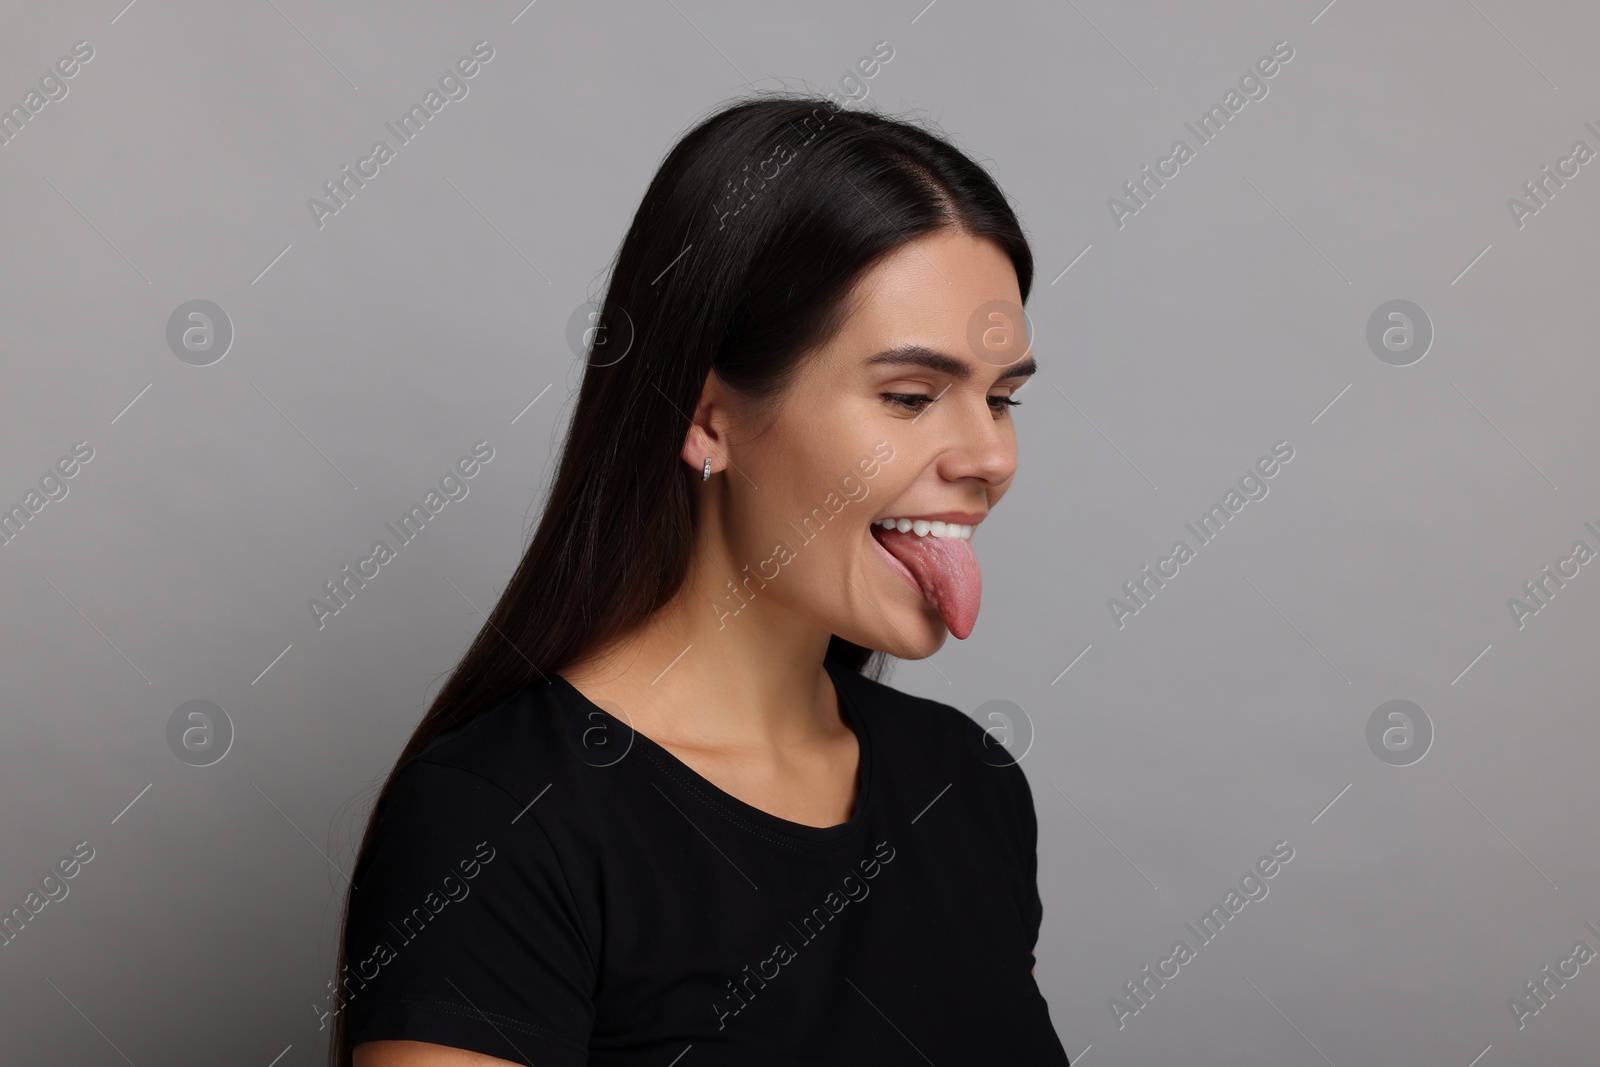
{"points": [[904, 635]]}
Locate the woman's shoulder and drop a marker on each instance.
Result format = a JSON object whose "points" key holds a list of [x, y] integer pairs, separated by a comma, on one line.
{"points": [[511, 752], [470, 836], [927, 721], [919, 728], [503, 782]]}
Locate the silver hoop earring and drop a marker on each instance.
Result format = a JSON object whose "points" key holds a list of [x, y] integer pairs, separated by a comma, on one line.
{"points": [[705, 473]]}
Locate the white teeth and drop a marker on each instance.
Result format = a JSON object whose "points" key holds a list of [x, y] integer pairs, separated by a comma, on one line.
{"points": [[922, 527]]}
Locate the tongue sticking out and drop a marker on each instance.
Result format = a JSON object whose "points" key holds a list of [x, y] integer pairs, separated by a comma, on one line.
{"points": [[946, 569]]}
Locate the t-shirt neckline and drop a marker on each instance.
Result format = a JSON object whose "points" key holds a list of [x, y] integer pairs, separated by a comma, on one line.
{"points": [[739, 809]]}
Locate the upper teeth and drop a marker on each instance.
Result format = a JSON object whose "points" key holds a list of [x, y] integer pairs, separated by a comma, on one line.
{"points": [[922, 527]]}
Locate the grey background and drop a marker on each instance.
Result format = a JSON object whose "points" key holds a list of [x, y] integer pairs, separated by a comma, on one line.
{"points": [[1228, 314]]}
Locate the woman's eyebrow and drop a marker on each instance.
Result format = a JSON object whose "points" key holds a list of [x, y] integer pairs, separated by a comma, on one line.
{"points": [[960, 370]]}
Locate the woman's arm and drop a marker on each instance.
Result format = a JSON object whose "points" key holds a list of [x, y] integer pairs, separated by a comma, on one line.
{"points": [[512, 944], [420, 1054]]}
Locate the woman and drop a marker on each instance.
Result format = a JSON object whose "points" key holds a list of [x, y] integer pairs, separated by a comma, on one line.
{"points": [[664, 811]]}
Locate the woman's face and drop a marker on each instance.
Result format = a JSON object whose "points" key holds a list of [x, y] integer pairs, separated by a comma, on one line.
{"points": [[904, 414]]}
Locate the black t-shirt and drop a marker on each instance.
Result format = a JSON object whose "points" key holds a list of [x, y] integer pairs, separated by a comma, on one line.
{"points": [[549, 886]]}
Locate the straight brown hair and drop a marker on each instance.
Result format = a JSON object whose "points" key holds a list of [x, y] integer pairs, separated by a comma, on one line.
{"points": [[739, 259]]}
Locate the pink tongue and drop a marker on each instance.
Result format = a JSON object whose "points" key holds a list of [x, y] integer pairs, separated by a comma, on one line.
{"points": [[947, 570]]}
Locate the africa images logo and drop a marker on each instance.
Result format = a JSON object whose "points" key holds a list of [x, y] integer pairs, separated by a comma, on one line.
{"points": [[452, 889], [851, 491], [810, 928]]}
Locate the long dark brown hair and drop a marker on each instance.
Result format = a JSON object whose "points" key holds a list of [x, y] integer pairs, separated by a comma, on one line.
{"points": [[740, 260]]}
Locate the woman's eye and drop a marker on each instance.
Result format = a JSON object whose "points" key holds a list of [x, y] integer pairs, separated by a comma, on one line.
{"points": [[909, 401], [916, 401]]}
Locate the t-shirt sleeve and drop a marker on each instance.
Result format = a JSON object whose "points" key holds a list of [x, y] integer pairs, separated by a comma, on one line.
{"points": [[1028, 842], [463, 929]]}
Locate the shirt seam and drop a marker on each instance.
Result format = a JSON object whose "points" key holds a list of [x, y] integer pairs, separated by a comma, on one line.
{"points": [[773, 836], [739, 820], [589, 942], [494, 1018]]}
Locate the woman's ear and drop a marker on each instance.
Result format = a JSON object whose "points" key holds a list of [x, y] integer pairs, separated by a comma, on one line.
{"points": [[707, 427]]}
